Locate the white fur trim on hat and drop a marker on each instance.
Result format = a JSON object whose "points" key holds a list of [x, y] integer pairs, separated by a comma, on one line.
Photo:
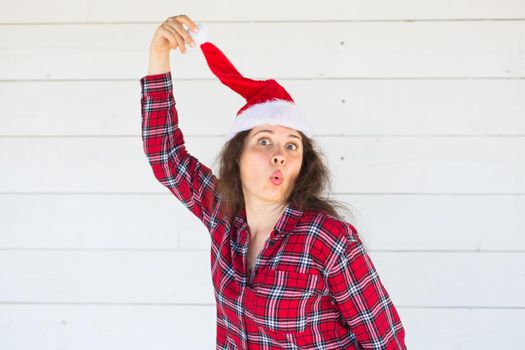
{"points": [[273, 112], [202, 35]]}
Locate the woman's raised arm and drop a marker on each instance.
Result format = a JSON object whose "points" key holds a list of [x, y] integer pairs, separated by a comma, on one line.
{"points": [[185, 176]]}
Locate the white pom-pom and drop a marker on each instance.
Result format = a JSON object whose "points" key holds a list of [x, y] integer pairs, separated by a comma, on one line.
{"points": [[202, 34]]}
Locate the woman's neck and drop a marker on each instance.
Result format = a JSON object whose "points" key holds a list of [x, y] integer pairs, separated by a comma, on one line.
{"points": [[262, 217]]}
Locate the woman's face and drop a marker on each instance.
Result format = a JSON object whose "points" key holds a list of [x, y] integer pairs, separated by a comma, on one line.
{"points": [[267, 149]]}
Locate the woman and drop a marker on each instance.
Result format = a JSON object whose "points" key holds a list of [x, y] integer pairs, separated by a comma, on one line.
{"points": [[287, 271]]}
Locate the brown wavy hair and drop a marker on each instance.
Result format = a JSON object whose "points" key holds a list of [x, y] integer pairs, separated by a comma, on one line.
{"points": [[308, 191]]}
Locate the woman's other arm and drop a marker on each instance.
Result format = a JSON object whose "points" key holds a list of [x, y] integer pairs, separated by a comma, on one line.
{"points": [[361, 297]]}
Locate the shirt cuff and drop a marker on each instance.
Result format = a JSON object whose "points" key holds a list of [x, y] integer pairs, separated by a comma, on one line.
{"points": [[156, 83]]}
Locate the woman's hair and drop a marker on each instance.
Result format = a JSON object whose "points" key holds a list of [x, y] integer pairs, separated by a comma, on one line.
{"points": [[306, 193]]}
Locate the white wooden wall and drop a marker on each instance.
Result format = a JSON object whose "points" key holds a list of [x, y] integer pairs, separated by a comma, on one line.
{"points": [[418, 105]]}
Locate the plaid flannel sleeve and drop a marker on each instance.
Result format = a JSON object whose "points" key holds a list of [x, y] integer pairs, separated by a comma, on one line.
{"points": [[361, 297], [189, 180]]}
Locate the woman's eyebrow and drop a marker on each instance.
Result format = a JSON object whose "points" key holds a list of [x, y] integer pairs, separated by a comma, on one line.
{"points": [[271, 132]]}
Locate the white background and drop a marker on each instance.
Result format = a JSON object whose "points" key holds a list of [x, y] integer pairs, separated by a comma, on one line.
{"points": [[418, 105]]}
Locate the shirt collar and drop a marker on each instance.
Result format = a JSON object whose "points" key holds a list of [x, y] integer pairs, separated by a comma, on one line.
{"points": [[285, 224]]}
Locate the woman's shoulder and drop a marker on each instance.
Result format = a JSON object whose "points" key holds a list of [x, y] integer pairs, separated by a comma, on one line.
{"points": [[328, 236], [328, 224]]}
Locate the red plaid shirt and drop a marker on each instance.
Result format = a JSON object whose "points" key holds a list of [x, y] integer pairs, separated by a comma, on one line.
{"points": [[313, 285]]}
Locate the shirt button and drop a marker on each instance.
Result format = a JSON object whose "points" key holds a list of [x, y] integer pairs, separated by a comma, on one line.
{"points": [[271, 243]]}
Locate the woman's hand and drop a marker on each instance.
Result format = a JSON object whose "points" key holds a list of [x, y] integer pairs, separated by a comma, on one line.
{"points": [[171, 34]]}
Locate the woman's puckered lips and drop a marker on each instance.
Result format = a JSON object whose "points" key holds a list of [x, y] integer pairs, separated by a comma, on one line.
{"points": [[277, 174]]}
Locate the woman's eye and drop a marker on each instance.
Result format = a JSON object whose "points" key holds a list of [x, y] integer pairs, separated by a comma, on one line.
{"points": [[265, 142]]}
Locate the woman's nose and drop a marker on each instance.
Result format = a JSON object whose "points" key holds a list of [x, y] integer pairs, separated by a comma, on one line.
{"points": [[278, 158]]}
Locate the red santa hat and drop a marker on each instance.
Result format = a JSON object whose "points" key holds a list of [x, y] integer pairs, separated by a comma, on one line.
{"points": [[267, 102]]}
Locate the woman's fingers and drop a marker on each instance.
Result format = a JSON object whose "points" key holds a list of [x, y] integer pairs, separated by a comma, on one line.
{"points": [[177, 26], [176, 35], [168, 33], [172, 34], [187, 21]]}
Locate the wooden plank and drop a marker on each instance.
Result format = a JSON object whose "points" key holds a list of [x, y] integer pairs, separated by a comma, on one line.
{"points": [[173, 327], [463, 328], [457, 49], [147, 221], [444, 279], [98, 10], [376, 165], [352, 107], [103, 327]]}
